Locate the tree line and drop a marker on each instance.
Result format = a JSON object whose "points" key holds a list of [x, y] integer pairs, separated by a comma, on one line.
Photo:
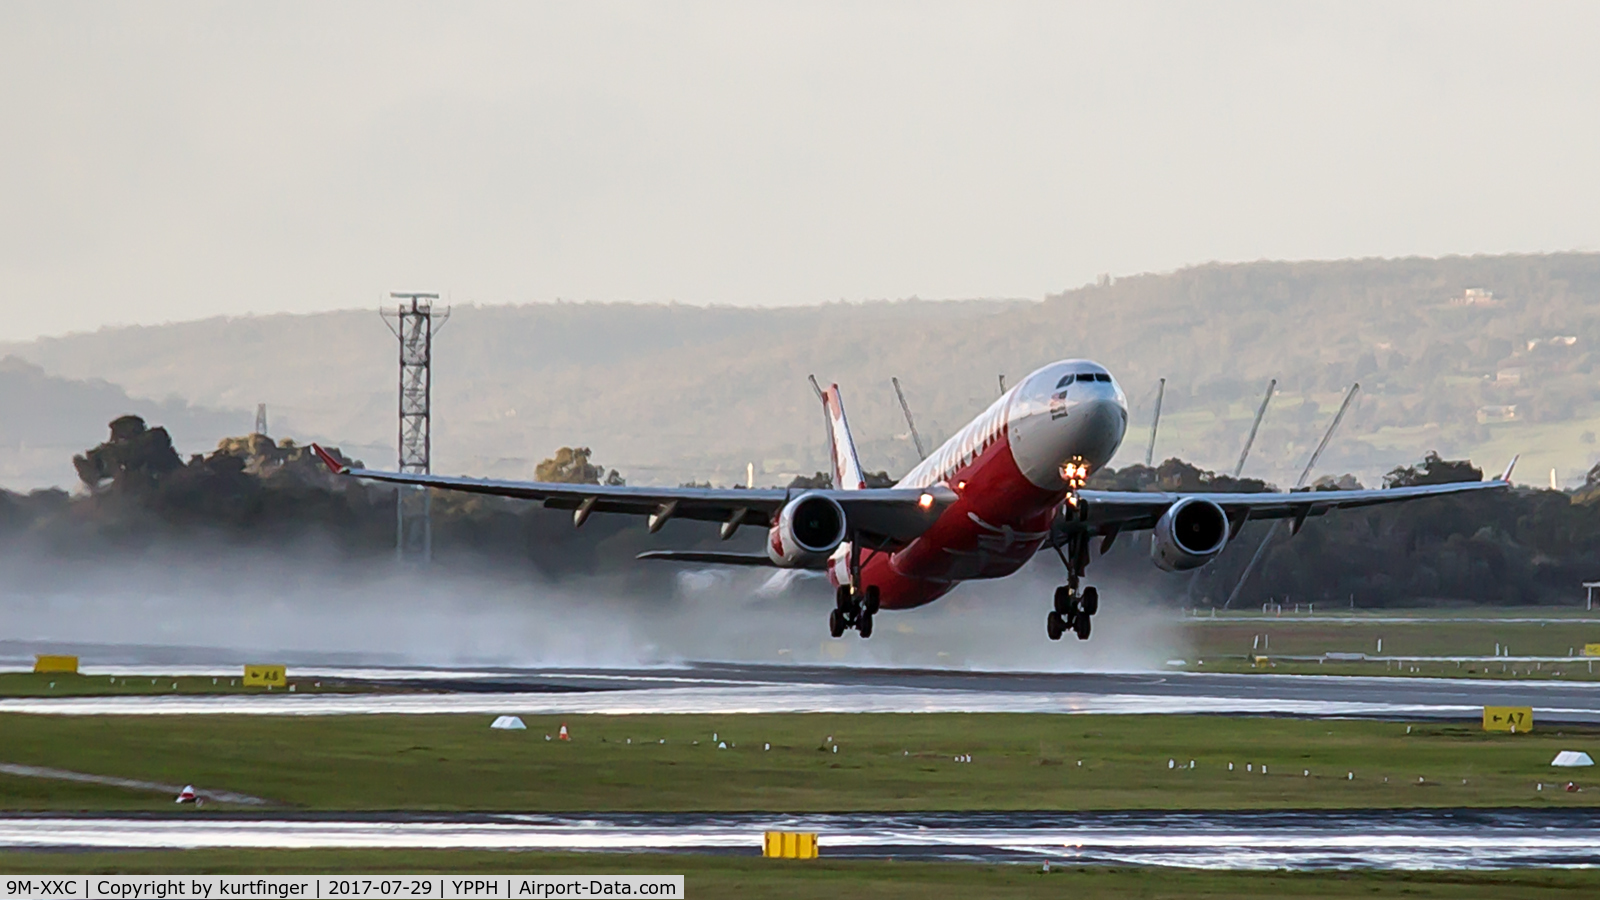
{"points": [[1521, 546]]}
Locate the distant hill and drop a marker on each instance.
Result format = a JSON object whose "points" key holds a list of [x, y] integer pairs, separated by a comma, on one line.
{"points": [[1475, 357], [45, 419]]}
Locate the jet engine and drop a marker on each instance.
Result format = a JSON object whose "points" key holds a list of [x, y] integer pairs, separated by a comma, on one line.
{"points": [[1188, 535], [810, 527]]}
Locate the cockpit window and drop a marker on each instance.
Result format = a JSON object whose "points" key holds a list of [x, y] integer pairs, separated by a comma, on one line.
{"points": [[1065, 380], [1101, 376]]}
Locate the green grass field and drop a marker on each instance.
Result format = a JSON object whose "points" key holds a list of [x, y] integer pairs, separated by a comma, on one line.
{"points": [[883, 762], [1311, 635], [1226, 643], [745, 877]]}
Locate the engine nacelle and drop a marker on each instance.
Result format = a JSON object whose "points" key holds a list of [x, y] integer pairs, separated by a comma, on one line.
{"points": [[810, 527], [1188, 535]]}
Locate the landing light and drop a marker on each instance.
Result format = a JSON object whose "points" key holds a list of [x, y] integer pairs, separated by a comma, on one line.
{"points": [[1075, 474], [925, 501]]}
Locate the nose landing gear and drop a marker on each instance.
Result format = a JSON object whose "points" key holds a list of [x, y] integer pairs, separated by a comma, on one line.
{"points": [[853, 608], [1074, 609]]}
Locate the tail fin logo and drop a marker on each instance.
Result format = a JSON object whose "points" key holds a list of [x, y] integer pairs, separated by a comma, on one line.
{"points": [[847, 475]]}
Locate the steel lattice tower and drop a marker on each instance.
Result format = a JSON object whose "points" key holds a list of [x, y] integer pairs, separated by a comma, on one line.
{"points": [[415, 323]]}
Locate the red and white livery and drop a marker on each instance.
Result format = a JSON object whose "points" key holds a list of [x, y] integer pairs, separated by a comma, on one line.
{"points": [[980, 506]]}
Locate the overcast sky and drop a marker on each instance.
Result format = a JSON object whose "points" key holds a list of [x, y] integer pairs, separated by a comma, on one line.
{"points": [[166, 161]]}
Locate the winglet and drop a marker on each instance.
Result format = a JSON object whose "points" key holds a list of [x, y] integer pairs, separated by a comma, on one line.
{"points": [[1506, 475], [333, 465]]}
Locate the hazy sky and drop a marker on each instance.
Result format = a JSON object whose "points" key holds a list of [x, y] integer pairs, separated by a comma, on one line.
{"points": [[167, 161]]}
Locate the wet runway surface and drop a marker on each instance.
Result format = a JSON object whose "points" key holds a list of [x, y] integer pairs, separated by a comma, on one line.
{"points": [[729, 688], [1398, 839], [1392, 839]]}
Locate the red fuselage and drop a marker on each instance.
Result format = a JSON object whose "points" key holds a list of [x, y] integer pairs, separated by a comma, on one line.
{"points": [[1006, 468]]}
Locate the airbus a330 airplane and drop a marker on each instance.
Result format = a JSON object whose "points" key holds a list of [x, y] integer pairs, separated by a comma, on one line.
{"points": [[980, 506]]}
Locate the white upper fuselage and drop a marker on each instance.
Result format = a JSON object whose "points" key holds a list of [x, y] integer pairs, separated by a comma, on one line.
{"points": [[1071, 410], [1009, 469]]}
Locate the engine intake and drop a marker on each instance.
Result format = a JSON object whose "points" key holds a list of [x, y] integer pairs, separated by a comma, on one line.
{"points": [[810, 527], [1188, 535]]}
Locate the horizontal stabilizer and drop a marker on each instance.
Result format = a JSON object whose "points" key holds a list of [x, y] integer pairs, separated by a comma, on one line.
{"points": [[712, 556]]}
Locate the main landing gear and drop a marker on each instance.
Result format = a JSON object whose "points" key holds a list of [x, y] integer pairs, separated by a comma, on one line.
{"points": [[1072, 613], [1074, 608], [853, 608]]}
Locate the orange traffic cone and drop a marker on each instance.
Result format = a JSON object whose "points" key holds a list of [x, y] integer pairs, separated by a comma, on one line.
{"points": [[186, 795], [563, 736]]}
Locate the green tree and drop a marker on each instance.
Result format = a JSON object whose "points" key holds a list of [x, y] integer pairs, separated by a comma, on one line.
{"points": [[135, 455], [1433, 470], [571, 465], [822, 481]]}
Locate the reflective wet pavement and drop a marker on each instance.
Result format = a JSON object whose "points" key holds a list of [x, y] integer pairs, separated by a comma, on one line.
{"points": [[1384, 839], [720, 688]]}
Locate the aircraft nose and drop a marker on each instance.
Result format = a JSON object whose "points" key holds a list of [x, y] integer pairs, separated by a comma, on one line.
{"points": [[1101, 426], [1107, 412]]}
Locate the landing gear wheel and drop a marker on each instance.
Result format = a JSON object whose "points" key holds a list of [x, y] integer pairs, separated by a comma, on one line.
{"points": [[1082, 628], [853, 608], [1055, 626], [1065, 604], [1091, 601]]}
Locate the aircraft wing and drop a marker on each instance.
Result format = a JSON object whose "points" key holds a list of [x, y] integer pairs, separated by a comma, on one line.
{"points": [[1104, 512], [885, 517]]}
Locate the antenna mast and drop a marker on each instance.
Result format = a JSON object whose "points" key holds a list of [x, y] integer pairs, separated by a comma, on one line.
{"points": [[827, 424], [915, 438], [1273, 531], [1150, 451], [414, 323], [1255, 426], [1337, 417]]}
